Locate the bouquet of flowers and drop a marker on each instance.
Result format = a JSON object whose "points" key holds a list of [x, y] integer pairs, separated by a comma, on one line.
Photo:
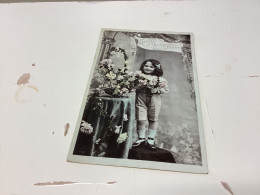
{"points": [[115, 82], [153, 83], [119, 82]]}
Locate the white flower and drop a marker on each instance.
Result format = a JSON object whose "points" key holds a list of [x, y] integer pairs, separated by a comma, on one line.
{"points": [[155, 90], [155, 81], [106, 62], [151, 83], [97, 141], [86, 127], [137, 73], [117, 130], [106, 85], [124, 90], [120, 77], [132, 79], [163, 84], [174, 149], [190, 140], [110, 66], [182, 142], [126, 82], [143, 82], [122, 138], [161, 145], [111, 75], [125, 118], [188, 150]]}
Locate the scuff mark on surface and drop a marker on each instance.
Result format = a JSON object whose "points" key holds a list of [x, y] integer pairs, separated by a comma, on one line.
{"points": [[67, 126], [228, 68], [33, 87], [7, 193], [206, 76], [211, 128], [227, 187], [52, 133], [21, 88], [17, 94], [55, 183], [229, 28], [24, 79], [134, 174], [92, 2], [5, 98], [134, 181], [45, 106], [23, 83], [97, 188], [111, 182], [61, 183], [234, 76], [33, 64]]}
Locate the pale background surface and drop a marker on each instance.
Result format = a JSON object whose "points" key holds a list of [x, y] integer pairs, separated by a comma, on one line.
{"points": [[61, 39]]}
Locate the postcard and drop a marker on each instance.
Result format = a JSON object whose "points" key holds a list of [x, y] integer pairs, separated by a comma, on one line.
{"points": [[141, 106]]}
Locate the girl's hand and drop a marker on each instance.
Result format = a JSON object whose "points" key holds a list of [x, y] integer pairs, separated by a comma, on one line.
{"points": [[165, 90], [164, 86], [156, 90]]}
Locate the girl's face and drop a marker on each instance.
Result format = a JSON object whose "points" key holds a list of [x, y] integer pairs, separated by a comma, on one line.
{"points": [[148, 68]]}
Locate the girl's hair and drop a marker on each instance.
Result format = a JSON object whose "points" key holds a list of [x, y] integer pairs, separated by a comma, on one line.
{"points": [[158, 67]]}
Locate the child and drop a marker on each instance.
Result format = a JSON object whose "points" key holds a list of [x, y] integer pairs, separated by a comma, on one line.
{"points": [[148, 101]]}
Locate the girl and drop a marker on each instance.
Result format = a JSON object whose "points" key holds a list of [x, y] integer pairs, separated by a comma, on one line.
{"points": [[148, 101]]}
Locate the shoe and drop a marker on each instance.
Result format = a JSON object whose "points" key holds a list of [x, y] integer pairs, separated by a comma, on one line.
{"points": [[151, 146], [139, 143]]}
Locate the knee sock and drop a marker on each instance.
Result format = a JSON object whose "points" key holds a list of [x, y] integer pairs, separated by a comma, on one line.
{"points": [[151, 134], [141, 137], [141, 134]]}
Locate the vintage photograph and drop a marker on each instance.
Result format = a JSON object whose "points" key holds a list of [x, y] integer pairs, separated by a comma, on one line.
{"points": [[141, 106]]}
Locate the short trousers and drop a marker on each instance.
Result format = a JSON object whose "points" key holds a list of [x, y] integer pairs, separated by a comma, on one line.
{"points": [[147, 106]]}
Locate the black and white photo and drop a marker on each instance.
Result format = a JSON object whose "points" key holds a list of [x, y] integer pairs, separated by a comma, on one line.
{"points": [[141, 107]]}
